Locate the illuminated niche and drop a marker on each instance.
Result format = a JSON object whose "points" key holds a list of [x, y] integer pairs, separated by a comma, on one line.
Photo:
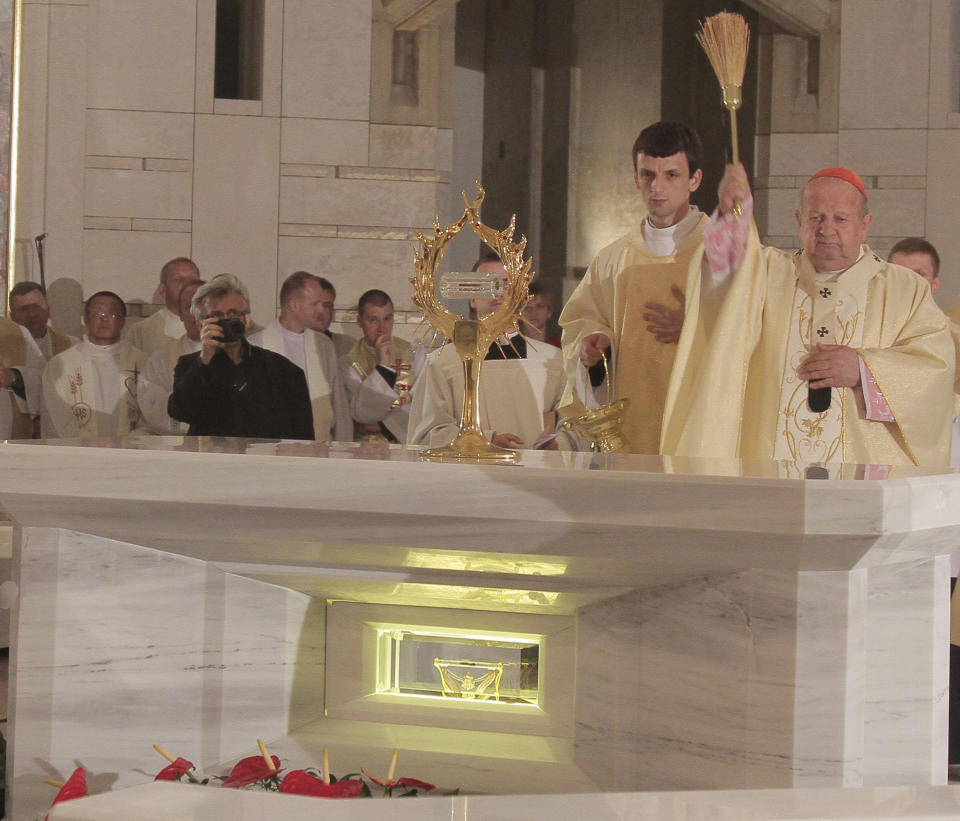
{"points": [[479, 669]]}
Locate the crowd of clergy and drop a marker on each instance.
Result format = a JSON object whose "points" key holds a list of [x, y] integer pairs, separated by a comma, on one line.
{"points": [[723, 346]]}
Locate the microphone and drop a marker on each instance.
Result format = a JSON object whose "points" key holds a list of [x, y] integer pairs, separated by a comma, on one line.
{"points": [[818, 399]]}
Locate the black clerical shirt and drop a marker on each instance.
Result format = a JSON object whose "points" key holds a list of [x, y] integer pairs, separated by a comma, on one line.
{"points": [[264, 397]]}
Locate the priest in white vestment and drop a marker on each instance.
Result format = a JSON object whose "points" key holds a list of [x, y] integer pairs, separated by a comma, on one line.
{"points": [[156, 381], [380, 372], [294, 335], [164, 326], [767, 329], [91, 388]]}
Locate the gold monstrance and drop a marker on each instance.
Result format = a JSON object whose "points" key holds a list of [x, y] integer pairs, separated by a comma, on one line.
{"points": [[472, 338]]}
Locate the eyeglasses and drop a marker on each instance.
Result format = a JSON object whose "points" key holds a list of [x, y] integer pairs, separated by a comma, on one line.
{"points": [[105, 315], [233, 314]]}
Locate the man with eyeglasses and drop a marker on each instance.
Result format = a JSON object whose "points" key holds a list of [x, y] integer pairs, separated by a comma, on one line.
{"points": [[91, 388], [230, 387]]}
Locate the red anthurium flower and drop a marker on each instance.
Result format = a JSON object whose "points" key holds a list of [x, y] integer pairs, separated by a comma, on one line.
{"points": [[409, 783], [251, 769], [75, 787], [300, 782], [171, 771]]}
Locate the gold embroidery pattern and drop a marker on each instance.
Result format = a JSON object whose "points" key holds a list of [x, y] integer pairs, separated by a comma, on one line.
{"points": [[82, 412]]}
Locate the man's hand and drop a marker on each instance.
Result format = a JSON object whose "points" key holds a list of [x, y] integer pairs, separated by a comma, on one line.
{"points": [[665, 323], [592, 348], [831, 366], [506, 440], [210, 335], [384, 348], [733, 188]]}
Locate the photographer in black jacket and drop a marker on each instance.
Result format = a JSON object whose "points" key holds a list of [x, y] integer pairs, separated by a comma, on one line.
{"points": [[233, 388]]}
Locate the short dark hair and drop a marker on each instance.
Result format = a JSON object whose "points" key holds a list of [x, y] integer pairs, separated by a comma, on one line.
{"points": [[375, 297], [327, 285], [486, 255], [24, 288], [539, 288], [917, 245], [664, 139], [294, 284], [111, 295]]}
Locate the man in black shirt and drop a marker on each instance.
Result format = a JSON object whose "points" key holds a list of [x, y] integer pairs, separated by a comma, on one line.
{"points": [[233, 388]]}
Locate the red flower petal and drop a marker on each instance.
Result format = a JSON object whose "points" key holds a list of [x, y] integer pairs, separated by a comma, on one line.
{"points": [[415, 784], [248, 770], [171, 771], [300, 782], [75, 787], [376, 780]]}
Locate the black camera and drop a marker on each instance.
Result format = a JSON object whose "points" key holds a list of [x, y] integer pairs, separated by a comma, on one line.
{"points": [[233, 329]]}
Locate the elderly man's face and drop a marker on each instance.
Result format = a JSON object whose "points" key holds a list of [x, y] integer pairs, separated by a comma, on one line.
{"points": [[831, 226], [104, 320], [231, 306], [31, 311]]}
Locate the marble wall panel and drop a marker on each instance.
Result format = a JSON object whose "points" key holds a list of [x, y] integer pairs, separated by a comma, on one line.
{"points": [[326, 59], [358, 202], [139, 134], [801, 153], [884, 63], [886, 151], [129, 262], [781, 208], [234, 211], [200, 661], [897, 212], [354, 266], [137, 193], [324, 142], [142, 54], [403, 146], [941, 208]]}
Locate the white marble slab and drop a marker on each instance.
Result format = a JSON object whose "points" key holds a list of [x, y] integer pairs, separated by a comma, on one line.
{"points": [[166, 802]]}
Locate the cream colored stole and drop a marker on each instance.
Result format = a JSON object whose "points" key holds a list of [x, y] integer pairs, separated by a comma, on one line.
{"points": [[826, 310], [317, 382]]}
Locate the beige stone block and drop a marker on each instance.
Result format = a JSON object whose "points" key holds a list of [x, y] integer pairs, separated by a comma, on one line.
{"points": [[241, 108], [154, 194], [205, 56], [897, 212], [123, 163], [444, 149], [142, 54], [33, 125], [127, 262], [781, 211], [942, 207], [356, 202], [361, 232], [354, 266], [169, 226], [787, 181], [346, 172], [64, 199], [294, 230], [942, 60], [326, 59], [430, 176], [325, 142], [903, 181], [272, 77], [160, 164], [305, 170], [139, 134], [801, 154], [107, 223], [884, 63], [403, 146], [883, 151], [235, 203]]}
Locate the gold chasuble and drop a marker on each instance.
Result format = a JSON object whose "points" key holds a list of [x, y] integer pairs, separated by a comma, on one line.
{"points": [[734, 390], [610, 300], [363, 359]]}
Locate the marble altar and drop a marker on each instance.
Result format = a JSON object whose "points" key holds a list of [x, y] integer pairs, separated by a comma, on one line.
{"points": [[705, 624]]}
